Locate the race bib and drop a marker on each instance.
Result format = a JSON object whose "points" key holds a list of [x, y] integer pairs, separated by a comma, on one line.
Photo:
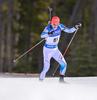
{"points": [[52, 40]]}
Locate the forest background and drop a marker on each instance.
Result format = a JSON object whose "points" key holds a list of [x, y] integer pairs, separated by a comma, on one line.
{"points": [[22, 22]]}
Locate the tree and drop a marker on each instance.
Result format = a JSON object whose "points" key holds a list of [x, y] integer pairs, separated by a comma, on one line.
{"points": [[1, 36], [8, 53], [29, 33], [95, 29]]}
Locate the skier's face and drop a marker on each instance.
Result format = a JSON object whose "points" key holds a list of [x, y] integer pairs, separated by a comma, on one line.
{"points": [[55, 26]]}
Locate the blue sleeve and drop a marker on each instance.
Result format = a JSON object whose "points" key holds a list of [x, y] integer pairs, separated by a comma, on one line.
{"points": [[45, 32], [70, 30], [66, 29]]}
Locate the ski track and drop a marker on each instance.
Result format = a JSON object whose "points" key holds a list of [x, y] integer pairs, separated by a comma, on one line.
{"points": [[78, 88]]}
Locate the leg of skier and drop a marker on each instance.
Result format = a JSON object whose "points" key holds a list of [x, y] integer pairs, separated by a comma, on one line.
{"points": [[47, 53], [60, 59], [45, 69], [56, 54]]}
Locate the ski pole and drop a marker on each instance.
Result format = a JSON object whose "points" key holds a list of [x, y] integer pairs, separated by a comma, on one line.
{"points": [[50, 9], [65, 50], [29, 50]]}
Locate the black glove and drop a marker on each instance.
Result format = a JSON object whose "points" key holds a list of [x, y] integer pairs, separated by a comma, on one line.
{"points": [[51, 33], [79, 25]]}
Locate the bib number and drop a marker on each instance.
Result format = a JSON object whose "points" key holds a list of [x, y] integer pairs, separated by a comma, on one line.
{"points": [[55, 39]]}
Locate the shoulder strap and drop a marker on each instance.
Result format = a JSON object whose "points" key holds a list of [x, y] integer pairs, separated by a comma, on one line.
{"points": [[50, 27]]}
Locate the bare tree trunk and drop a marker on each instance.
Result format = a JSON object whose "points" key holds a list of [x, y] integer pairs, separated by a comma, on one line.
{"points": [[8, 61], [1, 37], [12, 37], [73, 17], [40, 62], [95, 24], [26, 57], [15, 36], [91, 13], [74, 14], [54, 7]]}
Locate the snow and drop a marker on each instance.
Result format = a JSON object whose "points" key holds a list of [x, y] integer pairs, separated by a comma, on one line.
{"points": [[78, 88]]}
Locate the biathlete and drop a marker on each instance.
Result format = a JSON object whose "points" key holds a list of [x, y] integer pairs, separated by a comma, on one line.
{"points": [[50, 49]]}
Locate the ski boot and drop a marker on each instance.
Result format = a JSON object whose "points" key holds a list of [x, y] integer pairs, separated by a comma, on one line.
{"points": [[40, 80], [61, 79]]}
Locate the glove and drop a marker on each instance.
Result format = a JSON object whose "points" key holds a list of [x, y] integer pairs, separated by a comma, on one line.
{"points": [[79, 25], [51, 33]]}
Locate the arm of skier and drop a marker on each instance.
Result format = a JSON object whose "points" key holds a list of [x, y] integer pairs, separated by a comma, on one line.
{"points": [[46, 32], [70, 30]]}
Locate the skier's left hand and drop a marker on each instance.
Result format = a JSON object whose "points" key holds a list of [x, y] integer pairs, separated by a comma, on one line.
{"points": [[79, 25]]}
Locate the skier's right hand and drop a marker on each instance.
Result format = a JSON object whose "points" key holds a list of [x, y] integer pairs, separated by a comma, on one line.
{"points": [[51, 32], [79, 25]]}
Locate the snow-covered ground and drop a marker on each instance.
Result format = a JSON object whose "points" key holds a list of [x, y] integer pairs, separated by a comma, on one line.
{"points": [[78, 88]]}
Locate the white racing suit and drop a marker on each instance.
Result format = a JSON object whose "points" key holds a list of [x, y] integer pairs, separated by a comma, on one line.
{"points": [[50, 48]]}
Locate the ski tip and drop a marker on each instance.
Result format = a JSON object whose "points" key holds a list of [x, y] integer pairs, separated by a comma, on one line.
{"points": [[14, 61]]}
